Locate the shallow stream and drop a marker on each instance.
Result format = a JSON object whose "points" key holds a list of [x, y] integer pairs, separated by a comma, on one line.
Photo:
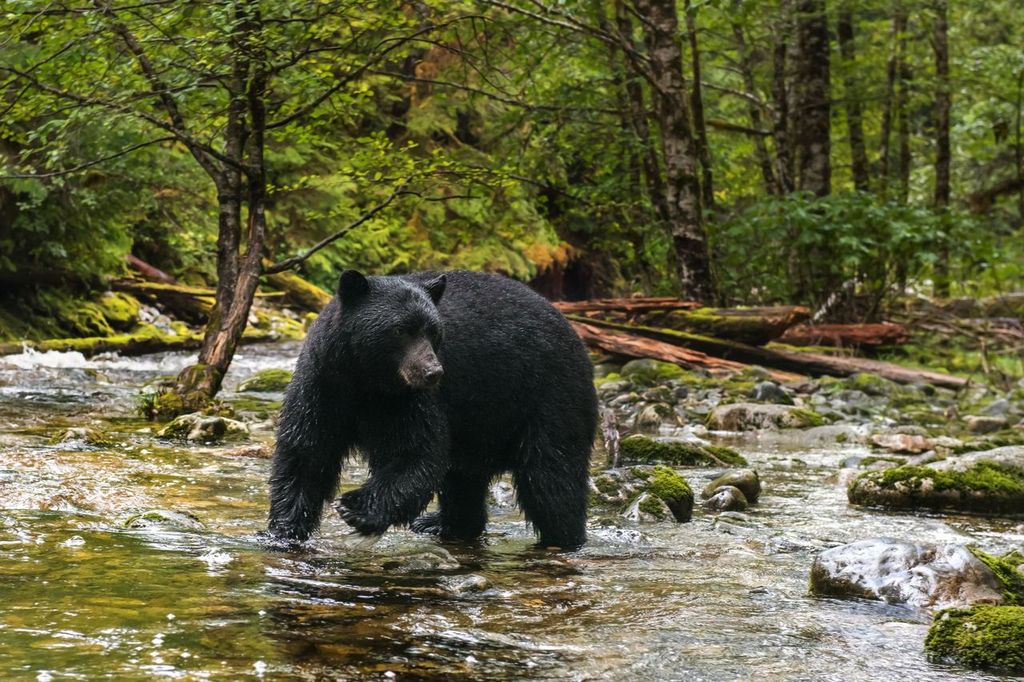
{"points": [[84, 594]]}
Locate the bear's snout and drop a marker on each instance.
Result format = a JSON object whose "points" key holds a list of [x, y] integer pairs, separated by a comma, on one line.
{"points": [[421, 368]]}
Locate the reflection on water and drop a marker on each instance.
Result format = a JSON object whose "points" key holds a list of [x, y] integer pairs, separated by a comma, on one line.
{"points": [[89, 588]]}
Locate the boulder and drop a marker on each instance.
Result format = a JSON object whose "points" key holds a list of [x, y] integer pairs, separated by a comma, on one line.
{"points": [[267, 381], [986, 637], [899, 572], [989, 482], [753, 416]]}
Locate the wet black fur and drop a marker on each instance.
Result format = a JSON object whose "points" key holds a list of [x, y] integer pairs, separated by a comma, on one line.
{"points": [[516, 395]]}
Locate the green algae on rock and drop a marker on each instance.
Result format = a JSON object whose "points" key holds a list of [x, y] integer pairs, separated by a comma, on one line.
{"points": [[754, 416], [644, 450], [746, 480], [986, 637], [644, 493], [989, 482], [1008, 572], [672, 489], [648, 372], [267, 381]]}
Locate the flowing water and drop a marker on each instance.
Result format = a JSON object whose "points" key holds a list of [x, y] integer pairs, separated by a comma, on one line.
{"points": [[189, 593]]}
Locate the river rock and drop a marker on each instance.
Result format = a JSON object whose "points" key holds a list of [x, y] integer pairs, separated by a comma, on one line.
{"points": [[267, 381], [899, 572], [201, 428], [770, 392], [753, 416], [989, 482], [746, 480], [987, 637], [164, 518], [901, 442], [985, 424], [726, 498], [647, 508]]}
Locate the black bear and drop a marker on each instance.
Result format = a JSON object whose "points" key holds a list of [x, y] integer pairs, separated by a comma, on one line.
{"points": [[442, 382]]}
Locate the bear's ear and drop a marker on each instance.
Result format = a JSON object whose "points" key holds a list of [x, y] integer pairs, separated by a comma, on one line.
{"points": [[352, 285], [435, 287]]}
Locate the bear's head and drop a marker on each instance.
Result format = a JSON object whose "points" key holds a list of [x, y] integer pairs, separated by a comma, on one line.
{"points": [[393, 330]]}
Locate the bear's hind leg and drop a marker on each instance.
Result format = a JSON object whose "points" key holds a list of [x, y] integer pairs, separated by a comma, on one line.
{"points": [[552, 489], [463, 513]]}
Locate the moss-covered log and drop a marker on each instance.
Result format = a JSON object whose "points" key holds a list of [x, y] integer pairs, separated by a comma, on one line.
{"points": [[813, 364], [298, 292], [625, 305], [149, 340], [756, 326]]}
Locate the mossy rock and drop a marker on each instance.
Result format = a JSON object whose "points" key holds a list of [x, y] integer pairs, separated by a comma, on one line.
{"points": [[120, 310], [746, 480], [754, 416], [985, 637], [267, 381], [643, 450], [650, 372], [872, 384], [672, 489], [199, 427], [1008, 572], [981, 487], [164, 518]]}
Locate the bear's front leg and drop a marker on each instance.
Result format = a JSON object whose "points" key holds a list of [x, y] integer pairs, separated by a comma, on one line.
{"points": [[311, 445], [407, 467]]}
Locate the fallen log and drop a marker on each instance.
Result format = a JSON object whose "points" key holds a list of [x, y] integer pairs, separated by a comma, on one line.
{"points": [[126, 345], [846, 335], [629, 345], [625, 305], [754, 326], [153, 274], [298, 292], [190, 304], [813, 364]]}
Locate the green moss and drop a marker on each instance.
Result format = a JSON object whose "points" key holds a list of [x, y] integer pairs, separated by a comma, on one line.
{"points": [[267, 380], [872, 384], [648, 371], [119, 309], [1011, 580], [868, 461], [988, 637], [646, 450], [653, 506], [669, 485], [610, 376], [842, 437], [607, 485], [806, 419], [986, 487]]}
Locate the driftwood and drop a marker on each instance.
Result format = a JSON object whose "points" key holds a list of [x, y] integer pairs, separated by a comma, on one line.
{"points": [[755, 326], [812, 364], [625, 305], [846, 335], [629, 345], [191, 304]]}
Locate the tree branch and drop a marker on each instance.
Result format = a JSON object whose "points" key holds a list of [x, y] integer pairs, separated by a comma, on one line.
{"points": [[83, 166]]}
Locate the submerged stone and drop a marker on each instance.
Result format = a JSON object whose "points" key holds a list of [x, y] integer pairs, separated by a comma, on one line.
{"points": [[900, 572], [204, 428], [988, 482], [164, 518], [986, 637]]}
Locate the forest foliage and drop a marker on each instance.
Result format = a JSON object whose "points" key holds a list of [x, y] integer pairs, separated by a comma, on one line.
{"points": [[528, 135]]}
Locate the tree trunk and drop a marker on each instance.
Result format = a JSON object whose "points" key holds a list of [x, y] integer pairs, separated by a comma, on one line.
{"points": [[747, 71], [892, 72], [903, 120], [638, 115], [780, 95], [813, 146], [943, 102], [697, 102], [686, 222], [854, 116]]}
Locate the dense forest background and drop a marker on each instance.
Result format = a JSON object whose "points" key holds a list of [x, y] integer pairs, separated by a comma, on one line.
{"points": [[820, 152]]}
